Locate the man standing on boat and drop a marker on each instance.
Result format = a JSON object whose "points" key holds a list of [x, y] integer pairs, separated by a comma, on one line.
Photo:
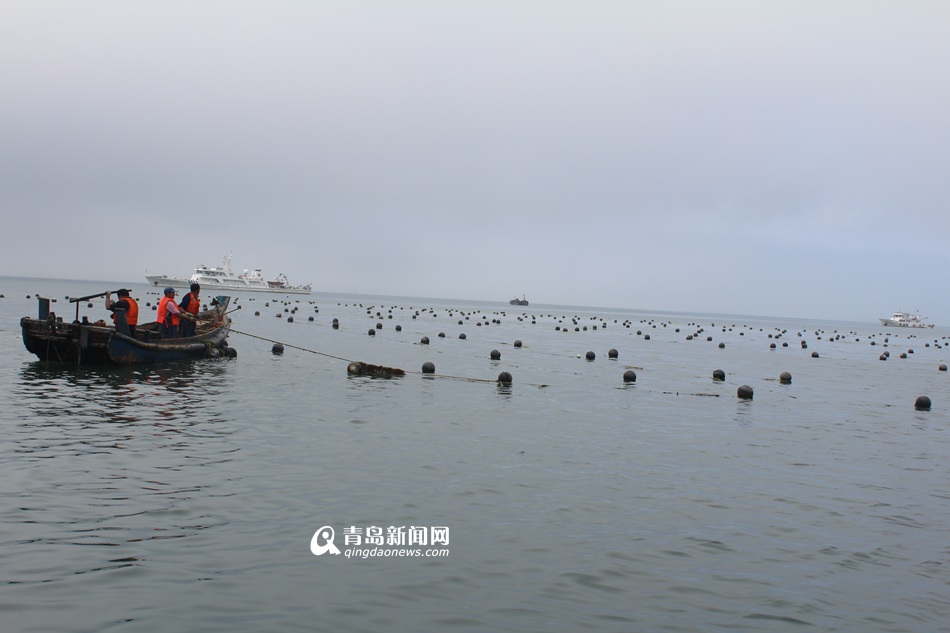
{"points": [[168, 314], [127, 303], [190, 305]]}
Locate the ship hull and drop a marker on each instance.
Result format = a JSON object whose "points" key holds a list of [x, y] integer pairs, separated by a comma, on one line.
{"points": [[893, 323]]}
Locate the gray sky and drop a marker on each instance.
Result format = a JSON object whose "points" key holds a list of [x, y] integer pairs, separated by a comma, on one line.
{"points": [[763, 158]]}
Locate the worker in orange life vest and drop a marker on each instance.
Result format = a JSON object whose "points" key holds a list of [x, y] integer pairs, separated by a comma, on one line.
{"points": [[127, 303], [169, 315], [190, 305]]}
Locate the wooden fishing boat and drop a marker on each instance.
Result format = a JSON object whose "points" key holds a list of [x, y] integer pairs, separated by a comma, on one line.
{"points": [[83, 343]]}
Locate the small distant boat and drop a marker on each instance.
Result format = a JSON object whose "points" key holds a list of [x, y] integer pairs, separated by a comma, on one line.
{"points": [[906, 319], [518, 302], [215, 278], [84, 343]]}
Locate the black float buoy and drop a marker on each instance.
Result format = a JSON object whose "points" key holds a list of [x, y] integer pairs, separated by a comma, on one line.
{"points": [[814, 354], [372, 332], [745, 392], [504, 377], [719, 374], [424, 340], [613, 353], [462, 336], [590, 356], [518, 343], [399, 328], [428, 368], [785, 378], [942, 367], [257, 313], [722, 346], [230, 352], [630, 376], [495, 354], [290, 319], [922, 403], [310, 318], [277, 348]]}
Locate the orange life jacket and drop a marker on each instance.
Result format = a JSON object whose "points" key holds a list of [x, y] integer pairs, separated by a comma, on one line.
{"points": [[163, 312], [132, 314], [194, 304]]}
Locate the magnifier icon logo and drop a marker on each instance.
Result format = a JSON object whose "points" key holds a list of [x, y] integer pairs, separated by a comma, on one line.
{"points": [[327, 534]]}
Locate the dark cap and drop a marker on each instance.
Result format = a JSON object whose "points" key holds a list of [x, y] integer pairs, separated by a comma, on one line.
{"points": [[123, 292], [169, 289]]}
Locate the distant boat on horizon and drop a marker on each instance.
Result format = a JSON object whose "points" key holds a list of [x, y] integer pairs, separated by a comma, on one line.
{"points": [[216, 278], [518, 302], [906, 319]]}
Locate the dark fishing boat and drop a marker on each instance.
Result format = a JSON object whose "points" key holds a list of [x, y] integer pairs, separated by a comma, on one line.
{"points": [[518, 302], [84, 343]]}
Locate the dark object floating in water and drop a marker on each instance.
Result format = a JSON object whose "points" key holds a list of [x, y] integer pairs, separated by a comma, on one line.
{"points": [[278, 349], [745, 392], [504, 378], [785, 378], [719, 374], [359, 368], [630, 376], [83, 343], [922, 403], [428, 367]]}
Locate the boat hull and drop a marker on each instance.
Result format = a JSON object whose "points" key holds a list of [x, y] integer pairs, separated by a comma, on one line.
{"points": [[893, 323], [60, 342], [124, 350], [79, 344], [216, 285], [162, 281], [82, 343]]}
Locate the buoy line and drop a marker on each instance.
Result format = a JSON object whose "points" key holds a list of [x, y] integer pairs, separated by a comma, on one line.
{"points": [[347, 360], [302, 349]]}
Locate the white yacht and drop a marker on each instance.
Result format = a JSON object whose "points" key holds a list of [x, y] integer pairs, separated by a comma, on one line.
{"points": [[906, 319], [214, 278]]}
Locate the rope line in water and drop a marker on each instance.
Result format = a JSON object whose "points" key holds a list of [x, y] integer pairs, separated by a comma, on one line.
{"points": [[347, 360], [302, 349]]}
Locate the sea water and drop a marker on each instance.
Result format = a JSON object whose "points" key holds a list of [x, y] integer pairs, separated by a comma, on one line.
{"points": [[191, 496]]}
